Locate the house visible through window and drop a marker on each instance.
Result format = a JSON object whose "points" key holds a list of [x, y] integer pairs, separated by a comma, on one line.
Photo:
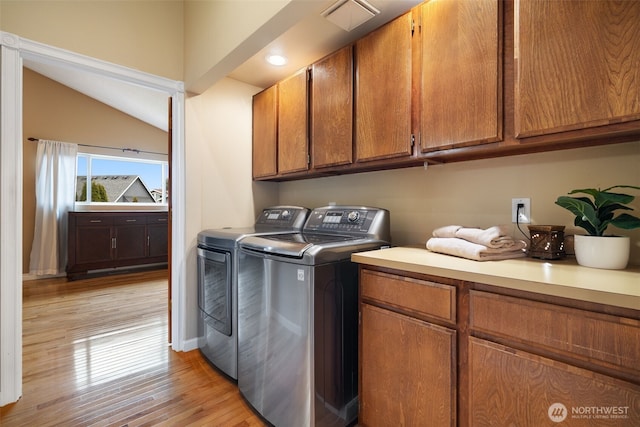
{"points": [[117, 180]]}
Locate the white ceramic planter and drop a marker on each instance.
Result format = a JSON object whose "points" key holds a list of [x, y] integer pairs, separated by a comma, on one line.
{"points": [[610, 252]]}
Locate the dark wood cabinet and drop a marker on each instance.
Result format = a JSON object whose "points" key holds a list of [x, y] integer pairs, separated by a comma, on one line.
{"points": [[158, 235], [577, 65], [89, 239], [332, 110], [383, 92], [104, 240], [129, 237], [265, 133], [461, 73]]}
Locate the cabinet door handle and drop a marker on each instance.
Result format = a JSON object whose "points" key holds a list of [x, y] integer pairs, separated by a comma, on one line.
{"points": [[148, 240], [113, 243], [132, 220], [95, 220]]}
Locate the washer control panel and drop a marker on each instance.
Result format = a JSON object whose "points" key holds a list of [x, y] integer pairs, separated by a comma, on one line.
{"points": [[345, 219]]}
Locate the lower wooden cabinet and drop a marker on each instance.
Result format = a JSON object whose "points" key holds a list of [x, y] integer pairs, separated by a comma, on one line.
{"points": [[407, 365], [104, 240], [442, 352], [511, 387], [407, 371]]}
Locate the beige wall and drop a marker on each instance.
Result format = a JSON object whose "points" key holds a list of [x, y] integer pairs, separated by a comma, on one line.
{"points": [[220, 192], [53, 111], [144, 35], [215, 30], [478, 193]]}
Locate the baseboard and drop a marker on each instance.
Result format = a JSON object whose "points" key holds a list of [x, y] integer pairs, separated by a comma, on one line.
{"points": [[29, 276], [191, 344]]}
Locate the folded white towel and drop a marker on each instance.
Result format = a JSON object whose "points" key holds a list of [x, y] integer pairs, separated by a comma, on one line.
{"points": [[446, 231], [465, 249], [493, 237]]}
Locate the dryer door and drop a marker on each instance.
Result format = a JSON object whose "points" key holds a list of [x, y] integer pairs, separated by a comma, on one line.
{"points": [[214, 288]]}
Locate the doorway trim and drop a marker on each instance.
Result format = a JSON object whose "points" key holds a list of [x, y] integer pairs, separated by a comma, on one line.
{"points": [[13, 50]]}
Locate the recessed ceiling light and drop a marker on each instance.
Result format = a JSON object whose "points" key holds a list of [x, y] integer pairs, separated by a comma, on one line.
{"points": [[277, 60]]}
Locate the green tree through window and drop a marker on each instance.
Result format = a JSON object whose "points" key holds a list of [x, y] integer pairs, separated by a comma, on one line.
{"points": [[98, 193]]}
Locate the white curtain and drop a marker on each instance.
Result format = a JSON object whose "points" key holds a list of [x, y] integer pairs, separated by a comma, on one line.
{"points": [[55, 196]]}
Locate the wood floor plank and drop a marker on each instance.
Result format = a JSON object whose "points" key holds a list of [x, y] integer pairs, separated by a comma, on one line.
{"points": [[95, 353]]}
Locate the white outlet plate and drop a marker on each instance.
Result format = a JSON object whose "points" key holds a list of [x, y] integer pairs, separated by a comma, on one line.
{"points": [[525, 214]]}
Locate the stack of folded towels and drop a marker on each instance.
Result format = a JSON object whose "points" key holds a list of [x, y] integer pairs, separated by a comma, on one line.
{"points": [[475, 243]]}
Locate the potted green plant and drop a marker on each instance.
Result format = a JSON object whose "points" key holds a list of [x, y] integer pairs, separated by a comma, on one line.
{"points": [[595, 214]]}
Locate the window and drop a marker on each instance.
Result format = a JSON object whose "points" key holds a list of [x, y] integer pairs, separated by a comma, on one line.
{"points": [[120, 180]]}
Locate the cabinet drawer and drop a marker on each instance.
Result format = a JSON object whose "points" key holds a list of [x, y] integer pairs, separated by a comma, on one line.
{"points": [[594, 337], [158, 218], [419, 297], [83, 220], [130, 220]]}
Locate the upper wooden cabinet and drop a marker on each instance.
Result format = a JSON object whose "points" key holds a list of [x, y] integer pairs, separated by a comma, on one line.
{"points": [[455, 80], [293, 143], [383, 92], [461, 73], [265, 133], [332, 110], [577, 65]]}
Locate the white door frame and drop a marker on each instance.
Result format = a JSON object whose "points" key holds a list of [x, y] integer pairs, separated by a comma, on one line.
{"points": [[13, 50]]}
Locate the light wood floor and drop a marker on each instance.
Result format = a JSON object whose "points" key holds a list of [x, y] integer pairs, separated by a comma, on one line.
{"points": [[95, 353]]}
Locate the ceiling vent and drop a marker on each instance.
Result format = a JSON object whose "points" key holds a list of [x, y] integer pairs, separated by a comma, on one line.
{"points": [[348, 14]]}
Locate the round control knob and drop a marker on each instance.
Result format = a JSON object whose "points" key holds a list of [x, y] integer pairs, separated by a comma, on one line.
{"points": [[286, 214], [353, 216]]}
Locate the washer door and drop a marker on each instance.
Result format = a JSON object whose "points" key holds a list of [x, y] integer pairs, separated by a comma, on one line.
{"points": [[214, 288]]}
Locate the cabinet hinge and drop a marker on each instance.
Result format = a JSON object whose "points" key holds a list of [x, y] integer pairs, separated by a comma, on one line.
{"points": [[413, 140], [413, 27], [308, 159]]}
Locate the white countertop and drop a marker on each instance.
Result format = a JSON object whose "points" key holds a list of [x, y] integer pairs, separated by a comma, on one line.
{"points": [[563, 278]]}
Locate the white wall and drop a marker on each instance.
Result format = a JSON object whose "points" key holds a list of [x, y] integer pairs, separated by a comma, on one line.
{"points": [[478, 193], [220, 191]]}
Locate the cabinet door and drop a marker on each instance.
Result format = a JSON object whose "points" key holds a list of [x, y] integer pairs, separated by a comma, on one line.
{"points": [[577, 64], [461, 100], [383, 92], [93, 244], [130, 241], [407, 371], [332, 109], [265, 127], [157, 240], [514, 388], [293, 147]]}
